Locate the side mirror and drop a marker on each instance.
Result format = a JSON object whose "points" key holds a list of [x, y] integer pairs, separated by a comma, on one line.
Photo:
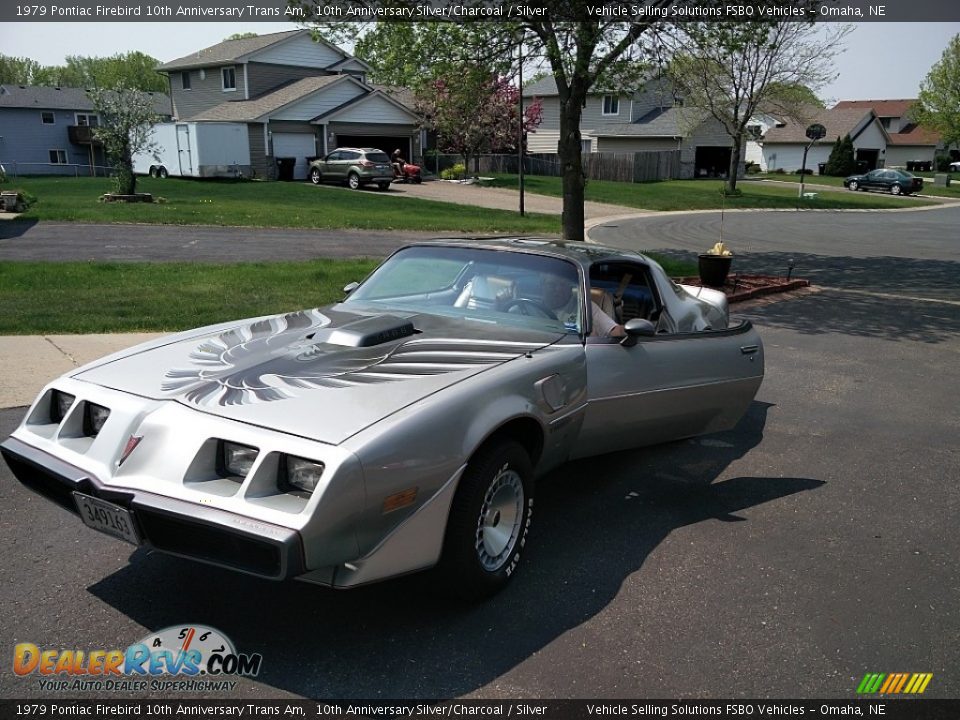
{"points": [[350, 287], [637, 328]]}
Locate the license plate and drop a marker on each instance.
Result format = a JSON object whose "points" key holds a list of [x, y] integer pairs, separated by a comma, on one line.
{"points": [[107, 518]]}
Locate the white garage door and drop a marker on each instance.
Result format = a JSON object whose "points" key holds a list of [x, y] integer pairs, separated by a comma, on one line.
{"points": [[295, 145]]}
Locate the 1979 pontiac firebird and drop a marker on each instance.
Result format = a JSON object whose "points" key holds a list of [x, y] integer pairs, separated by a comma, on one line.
{"points": [[399, 429]]}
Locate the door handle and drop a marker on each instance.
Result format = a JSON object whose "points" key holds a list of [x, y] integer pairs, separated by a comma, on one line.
{"points": [[749, 349]]}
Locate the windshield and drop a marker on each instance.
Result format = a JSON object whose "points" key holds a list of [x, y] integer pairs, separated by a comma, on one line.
{"points": [[492, 286]]}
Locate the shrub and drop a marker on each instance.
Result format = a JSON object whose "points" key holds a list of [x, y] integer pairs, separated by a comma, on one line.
{"points": [[455, 172]]}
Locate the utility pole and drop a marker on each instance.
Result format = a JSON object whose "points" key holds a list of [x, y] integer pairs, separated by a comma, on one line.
{"points": [[520, 121]]}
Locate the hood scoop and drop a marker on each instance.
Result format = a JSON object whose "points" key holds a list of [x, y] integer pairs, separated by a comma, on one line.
{"points": [[371, 331]]}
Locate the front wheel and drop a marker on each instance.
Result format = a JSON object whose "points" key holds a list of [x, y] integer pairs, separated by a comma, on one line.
{"points": [[896, 190], [162, 173], [153, 171], [383, 185], [854, 185], [315, 177], [417, 179], [489, 520], [353, 181]]}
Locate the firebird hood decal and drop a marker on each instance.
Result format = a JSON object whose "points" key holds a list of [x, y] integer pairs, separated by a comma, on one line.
{"points": [[242, 365], [291, 372]]}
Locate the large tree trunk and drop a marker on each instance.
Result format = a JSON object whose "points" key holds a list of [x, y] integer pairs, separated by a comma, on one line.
{"points": [[734, 168], [574, 182]]}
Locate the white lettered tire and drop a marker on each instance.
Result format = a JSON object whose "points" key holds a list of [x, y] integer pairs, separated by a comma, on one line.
{"points": [[489, 520]]}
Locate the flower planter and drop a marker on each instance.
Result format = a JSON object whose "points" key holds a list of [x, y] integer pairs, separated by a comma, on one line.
{"points": [[714, 269]]}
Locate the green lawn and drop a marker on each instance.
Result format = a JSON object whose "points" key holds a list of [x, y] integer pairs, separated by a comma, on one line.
{"points": [[268, 204], [98, 297], [928, 188], [94, 297], [705, 195]]}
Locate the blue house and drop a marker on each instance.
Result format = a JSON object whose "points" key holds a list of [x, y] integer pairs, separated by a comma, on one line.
{"points": [[49, 131]]}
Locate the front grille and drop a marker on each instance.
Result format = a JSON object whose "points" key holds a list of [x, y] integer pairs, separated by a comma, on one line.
{"points": [[214, 545]]}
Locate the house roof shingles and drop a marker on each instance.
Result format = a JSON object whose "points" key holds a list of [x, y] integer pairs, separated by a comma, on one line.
{"points": [[837, 123], [255, 108], [660, 122], [909, 134], [882, 108], [228, 51], [55, 98]]}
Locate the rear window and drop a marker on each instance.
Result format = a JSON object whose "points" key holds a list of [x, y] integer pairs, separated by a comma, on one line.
{"points": [[380, 157]]}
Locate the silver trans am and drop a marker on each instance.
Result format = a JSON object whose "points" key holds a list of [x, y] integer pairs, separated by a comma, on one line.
{"points": [[400, 429]]}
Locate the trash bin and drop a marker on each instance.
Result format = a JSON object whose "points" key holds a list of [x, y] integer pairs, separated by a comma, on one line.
{"points": [[821, 168], [285, 167]]}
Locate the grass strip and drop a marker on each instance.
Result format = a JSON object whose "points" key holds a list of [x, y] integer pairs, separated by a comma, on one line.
{"points": [[104, 297]]}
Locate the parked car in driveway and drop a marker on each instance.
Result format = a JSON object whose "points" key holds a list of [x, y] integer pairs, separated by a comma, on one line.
{"points": [[400, 429], [955, 166], [353, 166], [897, 182]]}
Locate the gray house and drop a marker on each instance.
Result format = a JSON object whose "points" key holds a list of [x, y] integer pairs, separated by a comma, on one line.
{"points": [[299, 98], [650, 119], [48, 130]]}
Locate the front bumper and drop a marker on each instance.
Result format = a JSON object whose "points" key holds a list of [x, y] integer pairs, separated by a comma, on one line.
{"points": [[167, 524]]}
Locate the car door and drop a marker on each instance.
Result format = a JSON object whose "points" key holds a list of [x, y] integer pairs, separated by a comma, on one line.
{"points": [[873, 180], [328, 166], [668, 386]]}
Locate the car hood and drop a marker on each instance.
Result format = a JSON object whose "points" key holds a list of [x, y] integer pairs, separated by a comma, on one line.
{"points": [[321, 374]]}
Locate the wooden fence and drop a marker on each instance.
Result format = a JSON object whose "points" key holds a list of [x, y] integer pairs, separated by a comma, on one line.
{"points": [[618, 167]]}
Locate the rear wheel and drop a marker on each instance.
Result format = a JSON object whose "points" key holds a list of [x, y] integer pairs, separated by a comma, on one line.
{"points": [[896, 190], [315, 177], [383, 185], [854, 185], [489, 520], [162, 172], [153, 171], [353, 180], [417, 179]]}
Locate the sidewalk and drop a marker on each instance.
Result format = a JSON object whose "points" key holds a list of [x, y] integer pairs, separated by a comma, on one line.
{"points": [[28, 362]]}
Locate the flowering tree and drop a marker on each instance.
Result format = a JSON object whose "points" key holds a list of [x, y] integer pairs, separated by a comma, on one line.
{"points": [[474, 113], [126, 118]]}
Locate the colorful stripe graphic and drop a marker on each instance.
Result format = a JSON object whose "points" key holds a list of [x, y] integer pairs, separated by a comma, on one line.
{"points": [[894, 683]]}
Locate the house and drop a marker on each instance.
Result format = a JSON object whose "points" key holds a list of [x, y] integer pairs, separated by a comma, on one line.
{"points": [[299, 98], [909, 145], [48, 130], [784, 143], [650, 119]]}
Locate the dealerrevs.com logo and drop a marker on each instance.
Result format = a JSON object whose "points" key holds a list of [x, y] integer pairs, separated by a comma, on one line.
{"points": [[180, 658]]}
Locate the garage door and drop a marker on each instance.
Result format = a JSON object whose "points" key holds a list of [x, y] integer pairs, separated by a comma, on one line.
{"points": [[387, 143], [295, 145]]}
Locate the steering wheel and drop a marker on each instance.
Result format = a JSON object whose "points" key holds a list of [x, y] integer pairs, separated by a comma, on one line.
{"points": [[526, 304]]}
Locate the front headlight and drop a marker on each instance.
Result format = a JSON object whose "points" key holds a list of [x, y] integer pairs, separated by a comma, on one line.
{"points": [[299, 475], [94, 416], [60, 403], [235, 459]]}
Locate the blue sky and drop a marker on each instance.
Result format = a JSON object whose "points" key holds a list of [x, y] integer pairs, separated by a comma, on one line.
{"points": [[882, 60]]}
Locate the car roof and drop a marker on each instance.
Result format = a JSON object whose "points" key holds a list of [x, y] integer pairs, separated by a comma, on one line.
{"points": [[582, 253], [363, 150]]}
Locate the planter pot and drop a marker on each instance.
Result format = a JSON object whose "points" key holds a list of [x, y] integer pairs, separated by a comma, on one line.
{"points": [[714, 269]]}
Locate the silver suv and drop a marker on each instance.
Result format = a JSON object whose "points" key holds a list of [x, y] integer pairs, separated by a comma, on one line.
{"points": [[355, 166]]}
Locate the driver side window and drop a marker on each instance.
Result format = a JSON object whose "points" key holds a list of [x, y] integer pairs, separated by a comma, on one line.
{"points": [[624, 292]]}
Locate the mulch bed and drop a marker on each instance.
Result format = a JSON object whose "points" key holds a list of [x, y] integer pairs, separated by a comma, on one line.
{"points": [[742, 287]]}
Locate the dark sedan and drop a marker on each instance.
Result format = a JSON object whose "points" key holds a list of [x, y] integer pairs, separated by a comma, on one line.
{"points": [[897, 182]]}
